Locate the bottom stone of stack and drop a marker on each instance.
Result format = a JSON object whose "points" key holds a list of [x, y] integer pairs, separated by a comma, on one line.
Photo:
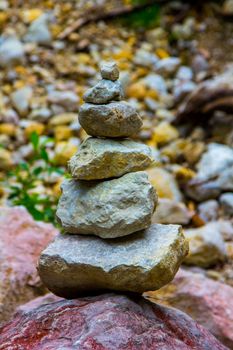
{"points": [[76, 265]]}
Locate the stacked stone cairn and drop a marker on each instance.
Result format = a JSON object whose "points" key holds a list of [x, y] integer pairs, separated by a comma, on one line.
{"points": [[106, 208]]}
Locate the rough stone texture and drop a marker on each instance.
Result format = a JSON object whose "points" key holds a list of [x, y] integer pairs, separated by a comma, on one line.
{"points": [[21, 242], [215, 173], [78, 265], [104, 92], [108, 209], [106, 322], [206, 246], [171, 212], [106, 158], [109, 71], [115, 119], [208, 302]]}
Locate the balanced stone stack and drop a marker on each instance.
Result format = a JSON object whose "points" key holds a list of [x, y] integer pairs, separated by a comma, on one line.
{"points": [[107, 206]]}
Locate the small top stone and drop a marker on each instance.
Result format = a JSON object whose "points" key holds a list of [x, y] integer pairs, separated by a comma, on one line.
{"points": [[109, 71]]}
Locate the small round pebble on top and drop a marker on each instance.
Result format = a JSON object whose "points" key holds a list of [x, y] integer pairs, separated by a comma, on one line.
{"points": [[109, 71]]}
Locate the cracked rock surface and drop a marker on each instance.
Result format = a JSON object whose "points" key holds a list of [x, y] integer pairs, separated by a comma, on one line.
{"points": [[80, 265], [109, 209]]}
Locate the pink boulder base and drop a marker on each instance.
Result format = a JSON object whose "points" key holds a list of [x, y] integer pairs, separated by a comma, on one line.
{"points": [[21, 241], [105, 322]]}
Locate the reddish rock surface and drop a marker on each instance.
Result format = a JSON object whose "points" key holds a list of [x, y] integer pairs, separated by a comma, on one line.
{"points": [[105, 322], [208, 302], [21, 241], [35, 303]]}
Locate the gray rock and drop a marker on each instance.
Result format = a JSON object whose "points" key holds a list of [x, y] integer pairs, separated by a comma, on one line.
{"points": [[183, 89], [105, 158], [38, 32], [206, 246], [225, 228], [155, 82], [41, 114], [11, 52], [67, 99], [75, 265], [171, 212], [208, 210], [21, 99], [168, 66], [108, 209], [184, 73], [215, 173], [226, 201], [200, 64], [109, 71], [116, 119], [145, 58], [104, 92]]}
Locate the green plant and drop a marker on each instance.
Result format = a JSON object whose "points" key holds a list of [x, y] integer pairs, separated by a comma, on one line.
{"points": [[145, 17], [24, 179]]}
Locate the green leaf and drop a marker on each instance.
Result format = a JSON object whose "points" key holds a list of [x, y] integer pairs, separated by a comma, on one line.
{"points": [[23, 166], [145, 18], [44, 155], [38, 170], [34, 138]]}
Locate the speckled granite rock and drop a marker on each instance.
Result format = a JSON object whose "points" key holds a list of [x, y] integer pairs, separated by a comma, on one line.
{"points": [[78, 265], [105, 158], [104, 92], [115, 119], [107, 209], [109, 70]]}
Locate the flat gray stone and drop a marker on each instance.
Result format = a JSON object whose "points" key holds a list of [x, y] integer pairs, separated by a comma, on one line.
{"points": [[108, 209], [207, 247], [109, 71], [38, 31], [105, 158], [76, 265], [171, 212], [116, 119], [11, 51], [215, 173], [104, 92]]}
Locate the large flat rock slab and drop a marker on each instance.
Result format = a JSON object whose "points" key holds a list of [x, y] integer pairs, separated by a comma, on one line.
{"points": [[106, 322], [75, 265], [109, 209], [105, 158]]}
